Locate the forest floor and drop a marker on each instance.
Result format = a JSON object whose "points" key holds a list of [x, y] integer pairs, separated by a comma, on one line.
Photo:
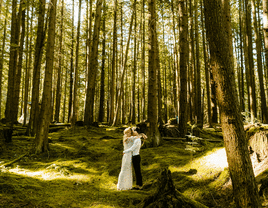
{"points": [[83, 164]]}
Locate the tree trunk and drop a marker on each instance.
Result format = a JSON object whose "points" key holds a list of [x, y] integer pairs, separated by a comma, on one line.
{"points": [[89, 109], [183, 67], [112, 87], [120, 90], [242, 90], [206, 69], [101, 108], [265, 31], [251, 74], [71, 70], [34, 116], [198, 111], [259, 64], [41, 139], [133, 103], [58, 95], [19, 67], [153, 134], [2, 56], [10, 110], [76, 72], [240, 167]]}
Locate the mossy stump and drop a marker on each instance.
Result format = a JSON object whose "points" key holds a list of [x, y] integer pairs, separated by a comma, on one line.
{"points": [[167, 196]]}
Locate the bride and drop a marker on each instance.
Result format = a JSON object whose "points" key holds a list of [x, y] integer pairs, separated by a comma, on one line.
{"points": [[125, 179]]}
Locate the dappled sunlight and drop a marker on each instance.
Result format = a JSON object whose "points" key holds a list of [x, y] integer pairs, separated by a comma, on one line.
{"points": [[64, 146], [207, 166]]}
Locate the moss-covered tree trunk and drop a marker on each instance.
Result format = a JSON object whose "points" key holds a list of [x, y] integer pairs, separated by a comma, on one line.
{"points": [[240, 166]]}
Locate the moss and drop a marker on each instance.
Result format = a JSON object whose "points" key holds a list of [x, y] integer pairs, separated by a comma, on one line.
{"points": [[82, 167]]}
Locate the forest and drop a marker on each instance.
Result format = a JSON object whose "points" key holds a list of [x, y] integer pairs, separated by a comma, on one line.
{"points": [[190, 74]]}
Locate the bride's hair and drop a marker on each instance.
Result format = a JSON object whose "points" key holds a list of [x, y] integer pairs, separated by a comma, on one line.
{"points": [[125, 137]]}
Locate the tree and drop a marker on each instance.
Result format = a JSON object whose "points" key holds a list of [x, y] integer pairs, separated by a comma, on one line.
{"points": [[101, 108], [89, 109], [58, 95], [2, 55], [41, 33], [76, 72], [240, 167], [41, 140], [153, 134], [183, 67]]}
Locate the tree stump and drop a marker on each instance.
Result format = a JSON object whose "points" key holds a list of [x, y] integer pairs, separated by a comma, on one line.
{"points": [[168, 196], [6, 134], [258, 144]]}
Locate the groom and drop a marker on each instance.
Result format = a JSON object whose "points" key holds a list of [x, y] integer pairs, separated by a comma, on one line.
{"points": [[136, 158]]}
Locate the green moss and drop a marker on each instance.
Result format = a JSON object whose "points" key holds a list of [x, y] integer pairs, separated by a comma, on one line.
{"points": [[82, 167]]}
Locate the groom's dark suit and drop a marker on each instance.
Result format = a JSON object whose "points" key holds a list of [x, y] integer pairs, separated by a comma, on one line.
{"points": [[136, 159]]}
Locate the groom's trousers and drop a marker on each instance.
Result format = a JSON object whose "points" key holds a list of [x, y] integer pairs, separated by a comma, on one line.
{"points": [[136, 160]]}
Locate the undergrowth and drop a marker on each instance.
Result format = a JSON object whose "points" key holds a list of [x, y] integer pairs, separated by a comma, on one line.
{"points": [[83, 164]]}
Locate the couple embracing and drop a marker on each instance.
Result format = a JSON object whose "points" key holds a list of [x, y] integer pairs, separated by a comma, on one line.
{"points": [[131, 155]]}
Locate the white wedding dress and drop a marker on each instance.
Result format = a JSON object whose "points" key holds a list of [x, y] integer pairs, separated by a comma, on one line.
{"points": [[125, 179]]}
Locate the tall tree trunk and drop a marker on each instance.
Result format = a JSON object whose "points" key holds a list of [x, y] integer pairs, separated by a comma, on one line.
{"points": [[143, 62], [2, 55], [241, 35], [76, 72], [28, 64], [58, 95], [183, 67], [120, 90], [10, 111], [206, 69], [41, 140], [198, 111], [71, 70], [175, 99], [265, 31], [19, 67], [112, 88], [89, 109], [34, 116], [259, 64], [251, 74], [153, 133], [240, 167], [101, 108], [133, 103]]}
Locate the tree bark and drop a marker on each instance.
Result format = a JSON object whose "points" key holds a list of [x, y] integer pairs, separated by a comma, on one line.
{"points": [[183, 67], [240, 167], [102, 94], [34, 116], [154, 137], [2, 55], [41, 140], [10, 110], [112, 87], [251, 74], [259, 65], [59, 82], [76, 72], [71, 70], [89, 109]]}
